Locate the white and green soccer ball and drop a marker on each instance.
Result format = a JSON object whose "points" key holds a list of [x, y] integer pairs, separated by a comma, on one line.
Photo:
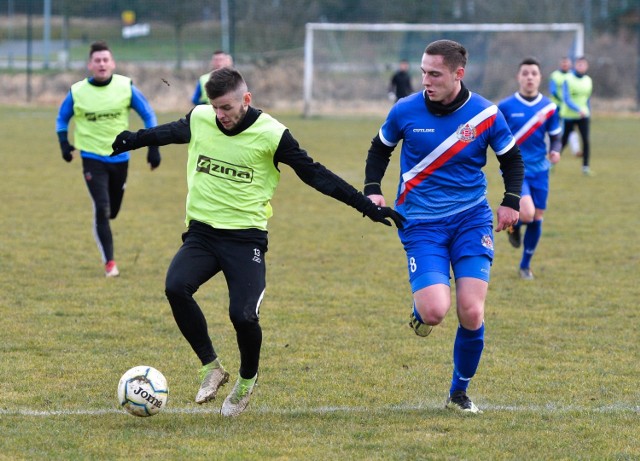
{"points": [[143, 391]]}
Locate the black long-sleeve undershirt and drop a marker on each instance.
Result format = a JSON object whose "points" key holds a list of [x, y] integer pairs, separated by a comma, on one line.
{"points": [[377, 163], [288, 152], [512, 168]]}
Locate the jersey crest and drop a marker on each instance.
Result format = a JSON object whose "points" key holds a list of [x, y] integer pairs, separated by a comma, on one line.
{"points": [[487, 242], [466, 133]]}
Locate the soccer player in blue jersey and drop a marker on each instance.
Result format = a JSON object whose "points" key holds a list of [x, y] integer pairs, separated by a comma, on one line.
{"points": [[532, 117], [100, 107], [446, 131]]}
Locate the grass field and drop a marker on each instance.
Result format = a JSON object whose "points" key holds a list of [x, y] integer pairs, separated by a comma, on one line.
{"points": [[342, 375]]}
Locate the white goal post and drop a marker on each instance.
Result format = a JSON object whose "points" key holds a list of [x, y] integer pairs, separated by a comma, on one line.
{"points": [[576, 28]]}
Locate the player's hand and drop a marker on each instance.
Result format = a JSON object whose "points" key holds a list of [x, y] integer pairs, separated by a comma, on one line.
{"points": [[507, 217], [381, 213], [554, 157], [67, 151], [124, 142], [153, 157], [377, 199]]}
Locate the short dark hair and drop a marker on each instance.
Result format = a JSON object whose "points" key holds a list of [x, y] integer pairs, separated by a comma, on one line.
{"points": [[100, 45], [530, 61], [454, 54], [223, 81]]}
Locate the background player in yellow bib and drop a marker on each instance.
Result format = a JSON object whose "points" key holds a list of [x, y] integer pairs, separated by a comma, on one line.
{"points": [[219, 59], [556, 81], [100, 107], [576, 109]]}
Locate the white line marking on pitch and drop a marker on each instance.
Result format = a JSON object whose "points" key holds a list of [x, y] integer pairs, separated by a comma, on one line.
{"points": [[549, 408]]}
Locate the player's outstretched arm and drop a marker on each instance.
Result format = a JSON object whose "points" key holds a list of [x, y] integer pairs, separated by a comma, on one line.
{"points": [[125, 141], [128, 140], [323, 180], [177, 132]]}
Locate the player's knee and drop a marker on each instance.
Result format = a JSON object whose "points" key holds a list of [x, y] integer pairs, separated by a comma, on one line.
{"points": [[176, 289], [114, 207], [432, 318], [432, 313], [471, 318], [243, 319], [526, 217], [103, 214]]}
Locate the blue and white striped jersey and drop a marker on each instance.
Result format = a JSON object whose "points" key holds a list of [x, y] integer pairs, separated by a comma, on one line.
{"points": [[442, 156], [530, 122]]}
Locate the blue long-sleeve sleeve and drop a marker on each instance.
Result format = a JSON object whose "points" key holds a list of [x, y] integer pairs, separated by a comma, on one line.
{"points": [[195, 99], [64, 114], [142, 107], [553, 89]]}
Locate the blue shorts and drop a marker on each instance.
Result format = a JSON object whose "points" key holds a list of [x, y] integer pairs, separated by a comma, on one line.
{"points": [[463, 242], [537, 186]]}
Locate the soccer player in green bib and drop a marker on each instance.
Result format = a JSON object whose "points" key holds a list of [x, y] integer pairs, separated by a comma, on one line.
{"points": [[100, 107], [219, 59], [576, 109], [556, 82], [234, 153]]}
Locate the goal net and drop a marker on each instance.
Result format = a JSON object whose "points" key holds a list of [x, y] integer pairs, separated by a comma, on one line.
{"points": [[348, 67]]}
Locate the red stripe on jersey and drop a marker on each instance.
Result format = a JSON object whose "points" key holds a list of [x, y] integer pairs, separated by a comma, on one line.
{"points": [[542, 117], [442, 159]]}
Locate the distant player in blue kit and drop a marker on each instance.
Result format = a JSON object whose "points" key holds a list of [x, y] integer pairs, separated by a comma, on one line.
{"points": [[531, 117], [445, 132]]}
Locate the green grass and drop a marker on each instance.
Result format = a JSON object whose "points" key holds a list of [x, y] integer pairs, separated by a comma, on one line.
{"points": [[342, 376]]}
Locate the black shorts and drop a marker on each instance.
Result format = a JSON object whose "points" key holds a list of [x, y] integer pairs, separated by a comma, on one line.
{"points": [[239, 254]]}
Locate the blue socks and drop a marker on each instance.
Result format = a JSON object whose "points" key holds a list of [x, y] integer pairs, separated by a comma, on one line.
{"points": [[467, 350], [530, 242]]}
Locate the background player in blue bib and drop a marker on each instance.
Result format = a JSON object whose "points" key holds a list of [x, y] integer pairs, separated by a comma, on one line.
{"points": [[531, 117], [445, 132]]}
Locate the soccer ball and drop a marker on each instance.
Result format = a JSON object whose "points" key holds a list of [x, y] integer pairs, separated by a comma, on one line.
{"points": [[143, 391]]}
